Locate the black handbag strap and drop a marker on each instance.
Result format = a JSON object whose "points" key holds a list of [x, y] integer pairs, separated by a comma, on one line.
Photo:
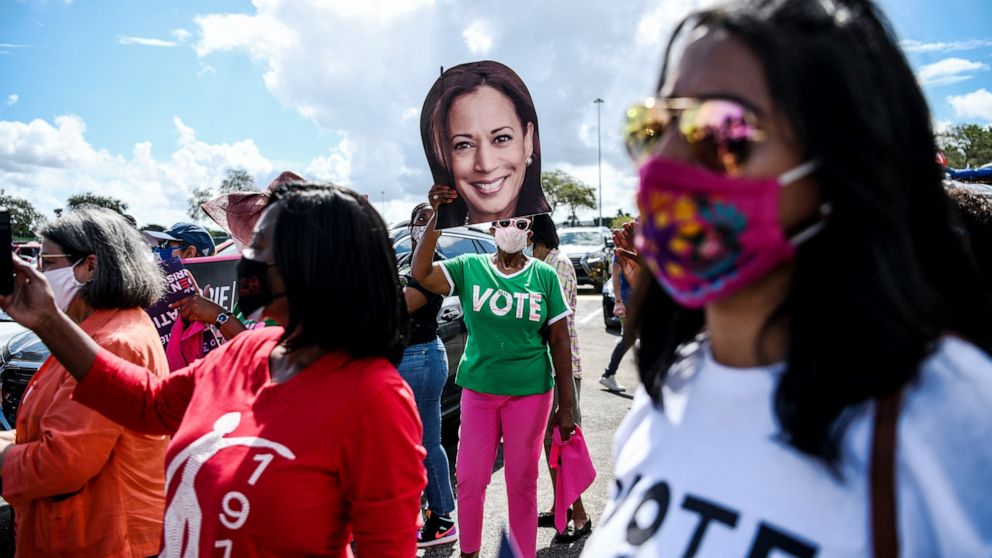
{"points": [[884, 517]]}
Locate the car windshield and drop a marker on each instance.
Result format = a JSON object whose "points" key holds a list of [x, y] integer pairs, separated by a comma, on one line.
{"points": [[581, 238]]}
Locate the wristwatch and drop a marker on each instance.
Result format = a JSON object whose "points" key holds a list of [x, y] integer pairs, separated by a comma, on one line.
{"points": [[222, 319]]}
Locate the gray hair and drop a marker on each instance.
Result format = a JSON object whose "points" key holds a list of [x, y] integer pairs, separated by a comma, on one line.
{"points": [[126, 274]]}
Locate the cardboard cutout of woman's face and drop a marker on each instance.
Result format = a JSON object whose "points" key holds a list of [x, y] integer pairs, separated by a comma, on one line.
{"points": [[478, 142]]}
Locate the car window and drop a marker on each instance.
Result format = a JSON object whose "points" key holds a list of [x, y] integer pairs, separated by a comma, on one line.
{"points": [[227, 248], [404, 247], [486, 246], [454, 246], [582, 238]]}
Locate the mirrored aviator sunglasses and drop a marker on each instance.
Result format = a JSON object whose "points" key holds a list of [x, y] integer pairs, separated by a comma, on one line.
{"points": [[719, 132], [521, 223]]}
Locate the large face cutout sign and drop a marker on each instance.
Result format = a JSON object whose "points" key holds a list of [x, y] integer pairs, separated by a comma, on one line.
{"points": [[480, 134]]}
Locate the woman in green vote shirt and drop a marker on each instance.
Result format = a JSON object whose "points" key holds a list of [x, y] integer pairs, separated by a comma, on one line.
{"points": [[514, 311]]}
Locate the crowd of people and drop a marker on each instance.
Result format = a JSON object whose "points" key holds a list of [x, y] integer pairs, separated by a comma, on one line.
{"points": [[808, 305]]}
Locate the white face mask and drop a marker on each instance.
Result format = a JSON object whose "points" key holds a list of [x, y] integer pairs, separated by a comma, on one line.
{"points": [[64, 285], [511, 239], [417, 232]]}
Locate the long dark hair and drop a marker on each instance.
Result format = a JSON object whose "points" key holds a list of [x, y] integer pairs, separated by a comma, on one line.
{"points": [[886, 277], [333, 251], [461, 80]]}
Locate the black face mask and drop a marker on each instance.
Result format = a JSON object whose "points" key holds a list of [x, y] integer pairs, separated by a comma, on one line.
{"points": [[253, 286]]}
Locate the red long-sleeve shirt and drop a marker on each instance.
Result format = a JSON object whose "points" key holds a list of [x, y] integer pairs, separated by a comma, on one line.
{"points": [[263, 469]]}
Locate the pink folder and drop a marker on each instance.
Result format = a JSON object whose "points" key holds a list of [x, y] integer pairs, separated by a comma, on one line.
{"points": [[573, 470]]}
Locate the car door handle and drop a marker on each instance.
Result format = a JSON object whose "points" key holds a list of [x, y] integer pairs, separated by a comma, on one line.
{"points": [[449, 315]]}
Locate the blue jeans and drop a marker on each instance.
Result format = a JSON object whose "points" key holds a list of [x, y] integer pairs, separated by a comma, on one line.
{"points": [[425, 369], [619, 350]]}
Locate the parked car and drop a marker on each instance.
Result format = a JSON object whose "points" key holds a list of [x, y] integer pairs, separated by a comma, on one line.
{"points": [[609, 300], [589, 249], [226, 248], [27, 251], [21, 357], [450, 319], [8, 328], [11, 330]]}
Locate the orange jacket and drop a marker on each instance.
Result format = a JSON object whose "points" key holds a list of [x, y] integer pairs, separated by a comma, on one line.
{"points": [[80, 484]]}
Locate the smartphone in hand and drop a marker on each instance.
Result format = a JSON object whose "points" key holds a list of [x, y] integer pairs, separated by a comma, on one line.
{"points": [[6, 254]]}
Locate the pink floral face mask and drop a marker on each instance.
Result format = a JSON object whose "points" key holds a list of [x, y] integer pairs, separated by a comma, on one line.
{"points": [[705, 235]]}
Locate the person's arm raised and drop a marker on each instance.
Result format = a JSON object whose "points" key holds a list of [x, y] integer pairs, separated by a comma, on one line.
{"points": [[32, 304], [424, 270]]}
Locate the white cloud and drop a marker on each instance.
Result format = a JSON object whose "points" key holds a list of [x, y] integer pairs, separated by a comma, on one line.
{"points": [[360, 70], [259, 35], [12, 99], [619, 188], [381, 11], [655, 25], [181, 35], [974, 105], [478, 37], [948, 70], [47, 163], [411, 114], [205, 70], [910, 45], [335, 167], [144, 41], [941, 125], [13, 45]]}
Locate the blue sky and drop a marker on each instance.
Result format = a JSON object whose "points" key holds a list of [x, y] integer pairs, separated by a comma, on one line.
{"points": [[147, 101]]}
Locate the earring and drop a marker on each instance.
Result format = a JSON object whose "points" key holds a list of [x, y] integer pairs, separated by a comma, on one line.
{"points": [[530, 159]]}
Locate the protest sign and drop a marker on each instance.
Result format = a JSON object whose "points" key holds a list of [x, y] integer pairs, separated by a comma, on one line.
{"points": [[182, 279]]}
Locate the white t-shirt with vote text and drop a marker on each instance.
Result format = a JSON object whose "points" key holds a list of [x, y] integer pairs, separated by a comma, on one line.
{"points": [[708, 476]]}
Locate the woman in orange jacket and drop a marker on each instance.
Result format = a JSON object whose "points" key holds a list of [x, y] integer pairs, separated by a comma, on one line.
{"points": [[80, 484]]}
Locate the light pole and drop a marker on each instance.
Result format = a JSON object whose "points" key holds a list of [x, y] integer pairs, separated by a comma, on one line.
{"points": [[599, 158]]}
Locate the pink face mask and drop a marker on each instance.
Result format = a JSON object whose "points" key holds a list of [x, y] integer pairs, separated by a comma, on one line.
{"points": [[706, 235]]}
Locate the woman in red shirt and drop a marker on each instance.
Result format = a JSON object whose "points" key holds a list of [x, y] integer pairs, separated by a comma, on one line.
{"points": [[287, 441]]}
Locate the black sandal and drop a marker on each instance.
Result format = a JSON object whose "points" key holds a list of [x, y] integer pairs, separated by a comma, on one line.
{"points": [[547, 519], [572, 534]]}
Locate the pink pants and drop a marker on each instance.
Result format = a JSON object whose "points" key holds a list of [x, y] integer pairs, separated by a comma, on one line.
{"points": [[520, 421]]}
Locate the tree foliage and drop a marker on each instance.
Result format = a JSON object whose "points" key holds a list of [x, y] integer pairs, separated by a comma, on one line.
{"points": [[564, 190], [237, 180], [966, 145], [89, 198], [621, 218], [196, 199], [24, 218]]}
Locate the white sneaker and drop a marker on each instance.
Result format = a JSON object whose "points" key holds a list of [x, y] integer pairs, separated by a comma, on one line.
{"points": [[610, 383]]}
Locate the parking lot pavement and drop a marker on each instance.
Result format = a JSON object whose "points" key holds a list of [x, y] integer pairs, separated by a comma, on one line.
{"points": [[602, 412]]}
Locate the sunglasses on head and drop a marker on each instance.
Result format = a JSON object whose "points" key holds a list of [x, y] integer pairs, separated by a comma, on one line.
{"points": [[720, 132], [521, 223]]}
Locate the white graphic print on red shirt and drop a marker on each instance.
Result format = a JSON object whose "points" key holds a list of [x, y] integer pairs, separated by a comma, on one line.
{"points": [[183, 517]]}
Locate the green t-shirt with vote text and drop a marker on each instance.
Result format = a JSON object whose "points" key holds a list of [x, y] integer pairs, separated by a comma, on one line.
{"points": [[505, 353]]}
